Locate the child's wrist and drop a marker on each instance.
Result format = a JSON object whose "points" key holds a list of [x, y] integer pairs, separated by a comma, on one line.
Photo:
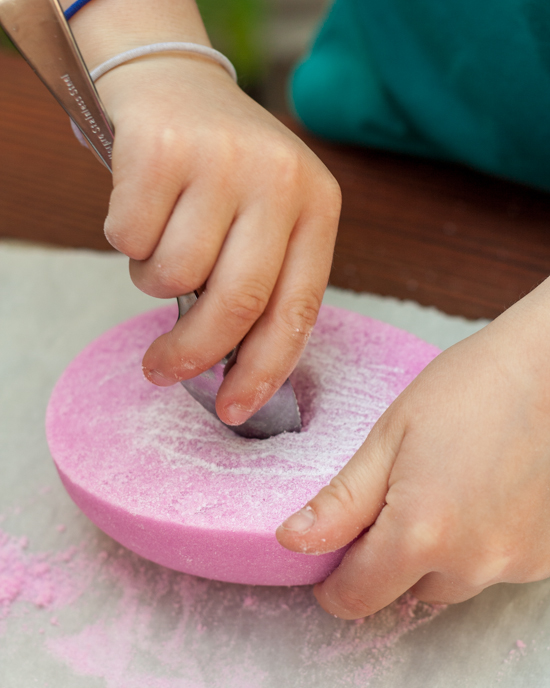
{"points": [[156, 78], [104, 28]]}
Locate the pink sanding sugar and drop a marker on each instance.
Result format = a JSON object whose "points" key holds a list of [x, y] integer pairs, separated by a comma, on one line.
{"points": [[162, 476], [209, 641], [163, 629], [41, 580]]}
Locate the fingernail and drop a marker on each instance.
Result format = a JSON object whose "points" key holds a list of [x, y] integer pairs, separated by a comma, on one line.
{"points": [[157, 378], [301, 521], [236, 415]]}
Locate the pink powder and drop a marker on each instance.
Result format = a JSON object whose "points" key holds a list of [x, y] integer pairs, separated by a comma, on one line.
{"points": [[163, 629], [34, 579], [162, 476], [515, 654], [202, 635]]}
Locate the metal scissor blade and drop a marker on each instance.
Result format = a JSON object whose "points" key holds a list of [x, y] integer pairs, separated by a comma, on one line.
{"points": [[39, 30], [279, 414]]}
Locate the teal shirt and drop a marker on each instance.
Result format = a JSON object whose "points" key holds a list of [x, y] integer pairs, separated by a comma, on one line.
{"points": [[465, 80]]}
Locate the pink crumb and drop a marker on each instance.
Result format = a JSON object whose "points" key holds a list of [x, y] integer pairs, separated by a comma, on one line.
{"points": [[61, 528]]}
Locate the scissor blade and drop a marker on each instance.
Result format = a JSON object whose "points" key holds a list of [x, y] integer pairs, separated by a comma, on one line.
{"points": [[39, 30], [279, 414]]}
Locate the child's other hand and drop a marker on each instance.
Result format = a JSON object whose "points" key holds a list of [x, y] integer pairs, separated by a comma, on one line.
{"points": [[453, 482], [210, 188]]}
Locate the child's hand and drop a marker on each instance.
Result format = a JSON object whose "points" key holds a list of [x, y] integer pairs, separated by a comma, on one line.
{"points": [[453, 482], [210, 188]]}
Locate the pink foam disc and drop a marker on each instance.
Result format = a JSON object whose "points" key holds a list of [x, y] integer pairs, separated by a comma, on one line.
{"points": [[163, 477]]}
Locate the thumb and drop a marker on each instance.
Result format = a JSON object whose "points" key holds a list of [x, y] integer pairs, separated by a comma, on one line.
{"points": [[353, 498]]}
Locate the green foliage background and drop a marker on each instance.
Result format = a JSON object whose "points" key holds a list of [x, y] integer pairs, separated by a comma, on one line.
{"points": [[235, 28]]}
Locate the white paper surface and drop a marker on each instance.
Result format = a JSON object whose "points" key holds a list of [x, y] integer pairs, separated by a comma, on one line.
{"points": [[132, 624]]}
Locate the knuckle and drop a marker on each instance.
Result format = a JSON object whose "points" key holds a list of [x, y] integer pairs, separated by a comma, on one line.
{"points": [[160, 152], [223, 148], [246, 302], [492, 566], [219, 151], [436, 589], [299, 314], [131, 244], [137, 250], [351, 601], [341, 491], [114, 235], [158, 160], [263, 391], [426, 538], [287, 164], [175, 278]]}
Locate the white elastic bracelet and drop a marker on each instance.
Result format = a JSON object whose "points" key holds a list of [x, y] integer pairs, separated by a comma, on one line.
{"points": [[151, 49], [197, 48]]}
